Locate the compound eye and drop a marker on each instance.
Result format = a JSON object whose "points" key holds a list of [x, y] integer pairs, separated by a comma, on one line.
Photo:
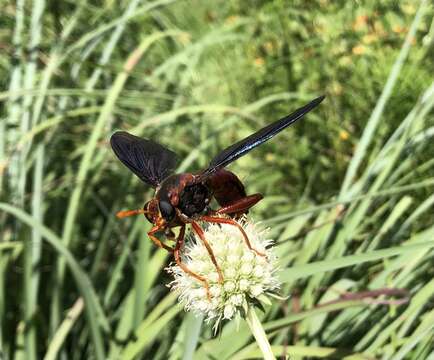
{"points": [[148, 212], [167, 210]]}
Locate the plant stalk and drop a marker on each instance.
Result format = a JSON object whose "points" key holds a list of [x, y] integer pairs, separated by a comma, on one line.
{"points": [[259, 333]]}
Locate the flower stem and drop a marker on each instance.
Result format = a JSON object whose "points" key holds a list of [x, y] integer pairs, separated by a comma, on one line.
{"points": [[259, 333]]}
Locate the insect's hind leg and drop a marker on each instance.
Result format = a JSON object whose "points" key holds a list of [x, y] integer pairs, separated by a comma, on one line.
{"points": [[220, 220], [177, 255], [240, 205]]}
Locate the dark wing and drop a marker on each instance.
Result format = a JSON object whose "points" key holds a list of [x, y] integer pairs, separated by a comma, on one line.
{"points": [[150, 161], [242, 147]]}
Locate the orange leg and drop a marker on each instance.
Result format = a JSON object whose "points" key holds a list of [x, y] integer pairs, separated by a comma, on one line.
{"points": [[218, 220], [199, 231], [157, 241], [156, 228], [178, 246]]}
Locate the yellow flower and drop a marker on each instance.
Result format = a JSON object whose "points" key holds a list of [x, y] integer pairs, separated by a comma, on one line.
{"points": [[359, 50], [232, 19], [343, 135], [336, 88], [399, 29], [345, 61], [360, 22], [369, 38], [409, 9], [259, 61], [270, 157], [184, 38], [269, 46], [3, 165]]}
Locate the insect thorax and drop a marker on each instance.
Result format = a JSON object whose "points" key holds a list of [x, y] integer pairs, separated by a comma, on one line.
{"points": [[193, 199]]}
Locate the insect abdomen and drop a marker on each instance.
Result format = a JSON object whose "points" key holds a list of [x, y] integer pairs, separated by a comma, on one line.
{"points": [[226, 187]]}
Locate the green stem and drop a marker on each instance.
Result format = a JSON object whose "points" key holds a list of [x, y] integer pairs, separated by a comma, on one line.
{"points": [[259, 333]]}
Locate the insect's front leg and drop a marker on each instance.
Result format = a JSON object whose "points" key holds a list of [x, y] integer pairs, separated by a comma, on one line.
{"points": [[198, 230], [196, 227], [157, 241], [178, 260]]}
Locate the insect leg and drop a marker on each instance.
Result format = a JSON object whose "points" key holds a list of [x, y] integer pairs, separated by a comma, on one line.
{"points": [[157, 241], [177, 255], [230, 194], [219, 220], [199, 231], [240, 205]]}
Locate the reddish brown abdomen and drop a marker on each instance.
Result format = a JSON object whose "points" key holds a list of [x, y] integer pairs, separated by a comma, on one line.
{"points": [[226, 187]]}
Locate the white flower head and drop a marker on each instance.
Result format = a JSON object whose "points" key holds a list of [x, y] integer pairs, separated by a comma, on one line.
{"points": [[246, 275]]}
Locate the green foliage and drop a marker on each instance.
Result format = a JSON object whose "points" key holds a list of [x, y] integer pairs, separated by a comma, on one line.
{"points": [[349, 201]]}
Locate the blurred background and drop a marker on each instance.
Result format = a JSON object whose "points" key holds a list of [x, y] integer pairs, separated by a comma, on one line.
{"points": [[353, 177]]}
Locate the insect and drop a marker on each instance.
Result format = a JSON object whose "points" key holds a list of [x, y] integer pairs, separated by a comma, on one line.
{"points": [[182, 199]]}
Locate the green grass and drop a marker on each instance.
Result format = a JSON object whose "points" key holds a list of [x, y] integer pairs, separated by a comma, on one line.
{"points": [[348, 190]]}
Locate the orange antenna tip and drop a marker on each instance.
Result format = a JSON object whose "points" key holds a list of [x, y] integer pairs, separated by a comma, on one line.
{"points": [[126, 213]]}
